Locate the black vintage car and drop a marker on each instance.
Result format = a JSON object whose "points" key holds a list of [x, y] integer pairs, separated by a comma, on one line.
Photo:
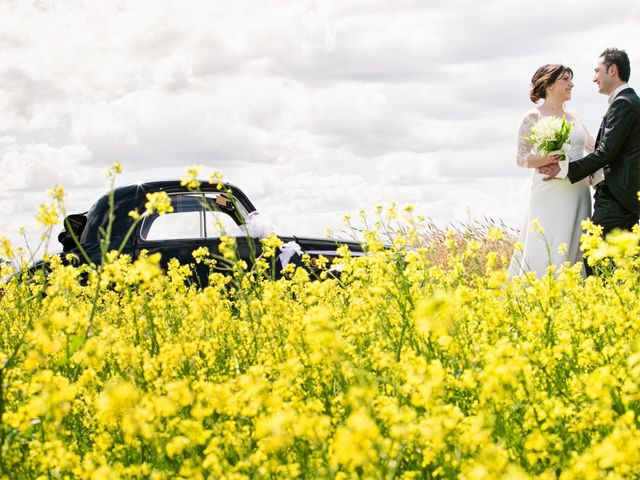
{"points": [[198, 219]]}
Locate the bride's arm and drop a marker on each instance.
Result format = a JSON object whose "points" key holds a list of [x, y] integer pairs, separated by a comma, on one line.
{"points": [[525, 157]]}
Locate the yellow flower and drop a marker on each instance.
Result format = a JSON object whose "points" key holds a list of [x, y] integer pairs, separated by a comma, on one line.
{"points": [[217, 179], [562, 248], [495, 234], [48, 214], [115, 399], [113, 170], [200, 253], [431, 317], [270, 244], [536, 226], [354, 443], [176, 446], [180, 393], [228, 247], [190, 180], [6, 249], [56, 193], [422, 359], [158, 202]]}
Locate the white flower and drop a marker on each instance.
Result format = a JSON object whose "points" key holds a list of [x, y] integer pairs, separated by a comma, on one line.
{"points": [[551, 134]]}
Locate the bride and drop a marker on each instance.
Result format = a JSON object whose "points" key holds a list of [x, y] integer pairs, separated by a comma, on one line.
{"points": [[556, 208]]}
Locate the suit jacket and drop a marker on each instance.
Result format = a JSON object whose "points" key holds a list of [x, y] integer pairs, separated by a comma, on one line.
{"points": [[617, 151]]}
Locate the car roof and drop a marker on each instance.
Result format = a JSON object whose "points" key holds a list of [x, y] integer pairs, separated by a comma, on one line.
{"points": [[128, 197]]}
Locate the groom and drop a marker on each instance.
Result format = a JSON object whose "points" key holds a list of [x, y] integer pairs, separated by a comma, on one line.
{"points": [[617, 148]]}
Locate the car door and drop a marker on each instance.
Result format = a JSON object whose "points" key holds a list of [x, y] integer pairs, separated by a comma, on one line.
{"points": [[197, 220]]}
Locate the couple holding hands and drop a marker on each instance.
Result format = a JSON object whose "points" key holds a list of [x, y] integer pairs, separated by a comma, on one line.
{"points": [[559, 195]]}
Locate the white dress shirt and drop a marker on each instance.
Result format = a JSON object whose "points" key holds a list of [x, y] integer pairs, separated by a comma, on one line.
{"points": [[615, 93]]}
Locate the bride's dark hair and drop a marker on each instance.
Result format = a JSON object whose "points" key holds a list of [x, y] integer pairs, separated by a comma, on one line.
{"points": [[545, 76]]}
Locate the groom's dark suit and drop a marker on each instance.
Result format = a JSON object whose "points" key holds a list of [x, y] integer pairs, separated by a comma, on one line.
{"points": [[617, 151]]}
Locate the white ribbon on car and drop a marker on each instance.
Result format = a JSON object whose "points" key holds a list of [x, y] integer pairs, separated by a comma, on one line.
{"points": [[258, 226], [288, 250]]}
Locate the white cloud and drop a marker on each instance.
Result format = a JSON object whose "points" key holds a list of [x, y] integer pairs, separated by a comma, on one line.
{"points": [[34, 167], [408, 168]]}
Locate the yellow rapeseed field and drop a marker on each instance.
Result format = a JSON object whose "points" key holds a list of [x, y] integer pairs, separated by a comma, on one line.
{"points": [[422, 360]]}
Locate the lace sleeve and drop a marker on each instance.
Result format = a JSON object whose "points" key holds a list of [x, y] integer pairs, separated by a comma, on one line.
{"points": [[590, 143], [525, 149]]}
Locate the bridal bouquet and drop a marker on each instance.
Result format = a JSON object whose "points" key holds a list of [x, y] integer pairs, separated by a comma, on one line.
{"points": [[550, 135]]}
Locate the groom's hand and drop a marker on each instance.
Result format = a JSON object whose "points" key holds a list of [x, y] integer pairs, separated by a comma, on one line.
{"points": [[550, 171]]}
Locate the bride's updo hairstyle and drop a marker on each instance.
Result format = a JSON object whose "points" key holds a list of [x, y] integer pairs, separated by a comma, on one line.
{"points": [[544, 77]]}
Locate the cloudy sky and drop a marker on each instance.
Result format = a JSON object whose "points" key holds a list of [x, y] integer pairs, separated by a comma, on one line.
{"points": [[315, 108]]}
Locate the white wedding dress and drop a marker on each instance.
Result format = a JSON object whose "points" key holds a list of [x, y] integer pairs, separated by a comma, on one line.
{"points": [[558, 205]]}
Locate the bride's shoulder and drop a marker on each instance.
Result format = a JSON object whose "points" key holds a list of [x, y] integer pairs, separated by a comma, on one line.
{"points": [[531, 115], [573, 116]]}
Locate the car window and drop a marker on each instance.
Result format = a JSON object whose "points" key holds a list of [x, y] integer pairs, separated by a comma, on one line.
{"points": [[194, 216], [174, 225]]}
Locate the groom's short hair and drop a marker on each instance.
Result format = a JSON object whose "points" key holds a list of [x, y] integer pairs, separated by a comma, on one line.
{"points": [[619, 58]]}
